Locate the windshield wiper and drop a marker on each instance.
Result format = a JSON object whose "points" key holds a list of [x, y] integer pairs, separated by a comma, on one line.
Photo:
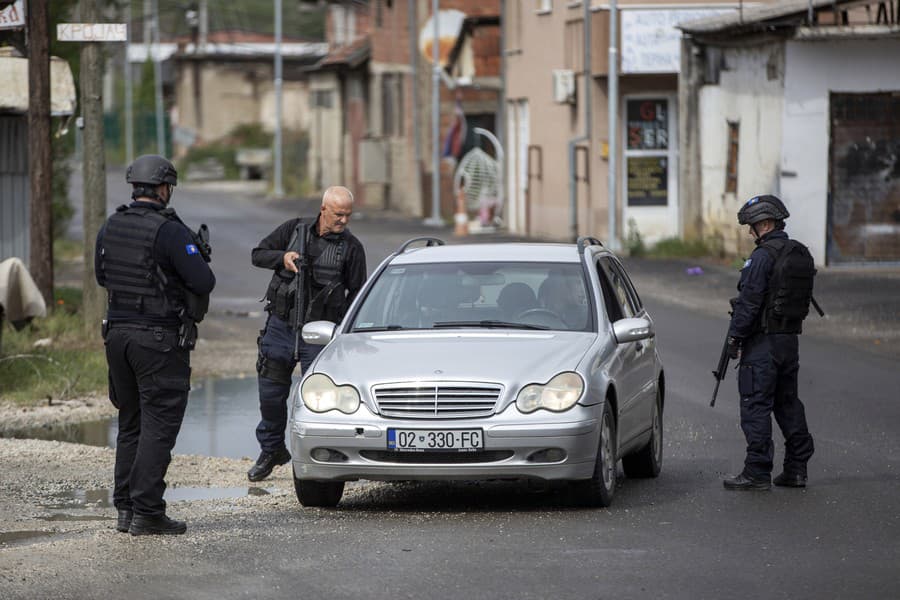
{"points": [[488, 323], [376, 329]]}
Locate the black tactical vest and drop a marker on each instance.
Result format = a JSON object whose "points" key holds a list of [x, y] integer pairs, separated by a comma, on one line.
{"points": [[325, 292], [133, 279]]}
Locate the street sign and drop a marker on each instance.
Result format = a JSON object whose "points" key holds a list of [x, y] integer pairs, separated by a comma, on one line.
{"points": [[92, 32], [13, 17]]}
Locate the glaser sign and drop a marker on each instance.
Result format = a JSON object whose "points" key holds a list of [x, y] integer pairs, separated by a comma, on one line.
{"points": [[92, 32]]}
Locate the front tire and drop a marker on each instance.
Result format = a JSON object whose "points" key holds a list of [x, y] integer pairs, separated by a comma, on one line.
{"points": [[325, 494], [598, 491], [647, 462]]}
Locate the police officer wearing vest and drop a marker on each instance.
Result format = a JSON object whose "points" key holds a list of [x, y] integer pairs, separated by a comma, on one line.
{"points": [[769, 359], [336, 271], [158, 283]]}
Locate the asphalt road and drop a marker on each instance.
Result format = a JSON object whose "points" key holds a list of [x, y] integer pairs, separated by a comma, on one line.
{"points": [[679, 536]]}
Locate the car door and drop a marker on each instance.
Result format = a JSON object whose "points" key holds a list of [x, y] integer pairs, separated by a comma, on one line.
{"points": [[627, 355], [645, 359]]}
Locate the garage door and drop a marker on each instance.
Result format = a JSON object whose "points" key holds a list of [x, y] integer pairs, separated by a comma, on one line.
{"points": [[864, 205]]}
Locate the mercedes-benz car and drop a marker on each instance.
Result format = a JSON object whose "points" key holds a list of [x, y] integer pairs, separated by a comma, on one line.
{"points": [[530, 361]]}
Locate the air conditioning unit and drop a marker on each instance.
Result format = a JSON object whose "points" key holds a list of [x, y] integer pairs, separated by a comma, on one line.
{"points": [[564, 86]]}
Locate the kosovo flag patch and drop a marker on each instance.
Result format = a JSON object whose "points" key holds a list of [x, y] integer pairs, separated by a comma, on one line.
{"points": [[191, 249]]}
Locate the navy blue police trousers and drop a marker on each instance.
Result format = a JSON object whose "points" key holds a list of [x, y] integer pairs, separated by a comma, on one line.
{"points": [[767, 382], [274, 367]]}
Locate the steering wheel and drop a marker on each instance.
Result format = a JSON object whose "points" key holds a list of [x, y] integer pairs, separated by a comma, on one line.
{"points": [[543, 316]]}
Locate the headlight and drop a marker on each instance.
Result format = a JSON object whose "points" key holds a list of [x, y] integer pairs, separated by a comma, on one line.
{"points": [[559, 394], [320, 394]]}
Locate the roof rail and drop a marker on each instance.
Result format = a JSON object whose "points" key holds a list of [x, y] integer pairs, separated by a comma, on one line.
{"points": [[430, 241], [585, 241]]}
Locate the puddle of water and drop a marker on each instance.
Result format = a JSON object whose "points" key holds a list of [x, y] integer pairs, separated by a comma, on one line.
{"points": [[220, 420], [11, 537], [92, 433], [65, 517], [102, 498]]}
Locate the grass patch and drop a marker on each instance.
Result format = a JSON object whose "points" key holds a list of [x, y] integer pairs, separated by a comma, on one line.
{"points": [[678, 248], [73, 364]]}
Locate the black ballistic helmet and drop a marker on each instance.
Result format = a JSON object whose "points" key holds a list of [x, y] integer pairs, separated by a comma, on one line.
{"points": [[151, 170], [760, 208]]}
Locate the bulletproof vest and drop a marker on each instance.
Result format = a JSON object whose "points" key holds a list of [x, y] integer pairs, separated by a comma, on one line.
{"points": [[327, 259], [324, 286], [133, 279], [790, 286]]}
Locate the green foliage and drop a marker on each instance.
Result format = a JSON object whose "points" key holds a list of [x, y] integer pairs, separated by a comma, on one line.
{"points": [[72, 364], [633, 241], [300, 21], [295, 152], [224, 151], [677, 248], [62, 149]]}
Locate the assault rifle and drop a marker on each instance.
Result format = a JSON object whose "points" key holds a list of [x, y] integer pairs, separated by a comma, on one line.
{"points": [[201, 238], [724, 358], [720, 371], [195, 307], [299, 312]]}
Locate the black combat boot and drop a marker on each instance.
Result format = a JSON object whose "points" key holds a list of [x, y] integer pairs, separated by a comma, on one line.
{"points": [[743, 482], [266, 462], [156, 525], [123, 520], [789, 479]]}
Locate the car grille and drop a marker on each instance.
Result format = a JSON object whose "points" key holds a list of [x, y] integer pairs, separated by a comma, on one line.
{"points": [[437, 400], [439, 458]]}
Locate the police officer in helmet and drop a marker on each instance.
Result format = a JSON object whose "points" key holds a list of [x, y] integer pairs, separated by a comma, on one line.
{"points": [[769, 357], [335, 272], [158, 283]]}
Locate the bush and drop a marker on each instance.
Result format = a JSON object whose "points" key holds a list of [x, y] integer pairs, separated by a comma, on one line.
{"points": [[674, 247], [633, 241]]}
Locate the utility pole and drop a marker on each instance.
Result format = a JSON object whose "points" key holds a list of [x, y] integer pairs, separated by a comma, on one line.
{"points": [[40, 163], [129, 92], [613, 88], [435, 219], [278, 183], [94, 165], [157, 85]]}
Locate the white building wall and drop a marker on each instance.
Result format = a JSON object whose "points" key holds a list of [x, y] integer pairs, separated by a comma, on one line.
{"points": [[814, 69], [749, 92]]}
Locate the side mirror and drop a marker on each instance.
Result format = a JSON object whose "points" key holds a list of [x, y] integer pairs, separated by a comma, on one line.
{"points": [[318, 333], [628, 330]]}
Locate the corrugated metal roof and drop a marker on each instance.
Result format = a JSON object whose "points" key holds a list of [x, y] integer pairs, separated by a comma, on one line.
{"points": [[755, 15]]}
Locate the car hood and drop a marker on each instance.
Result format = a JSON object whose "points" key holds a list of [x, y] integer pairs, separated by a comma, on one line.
{"points": [[506, 357]]}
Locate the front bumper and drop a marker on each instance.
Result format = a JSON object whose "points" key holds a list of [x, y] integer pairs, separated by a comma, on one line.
{"points": [[513, 446]]}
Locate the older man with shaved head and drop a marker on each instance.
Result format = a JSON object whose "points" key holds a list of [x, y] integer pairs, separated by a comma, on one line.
{"points": [[336, 270]]}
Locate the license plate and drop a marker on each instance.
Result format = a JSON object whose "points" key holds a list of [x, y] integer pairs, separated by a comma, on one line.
{"points": [[435, 440]]}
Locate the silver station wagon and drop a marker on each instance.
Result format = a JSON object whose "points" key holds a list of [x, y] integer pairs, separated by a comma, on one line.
{"points": [[483, 361]]}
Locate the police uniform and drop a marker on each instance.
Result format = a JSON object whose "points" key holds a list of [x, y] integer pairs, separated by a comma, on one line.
{"points": [[149, 263], [336, 272], [767, 377]]}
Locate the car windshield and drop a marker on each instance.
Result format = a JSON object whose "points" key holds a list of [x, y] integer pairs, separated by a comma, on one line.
{"points": [[507, 295]]}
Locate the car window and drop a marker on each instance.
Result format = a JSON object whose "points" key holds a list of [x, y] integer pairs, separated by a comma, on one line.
{"points": [[632, 292], [620, 304], [417, 296]]}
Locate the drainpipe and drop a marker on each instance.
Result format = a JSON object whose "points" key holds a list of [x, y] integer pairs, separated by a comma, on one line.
{"points": [[613, 110], [586, 137]]}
